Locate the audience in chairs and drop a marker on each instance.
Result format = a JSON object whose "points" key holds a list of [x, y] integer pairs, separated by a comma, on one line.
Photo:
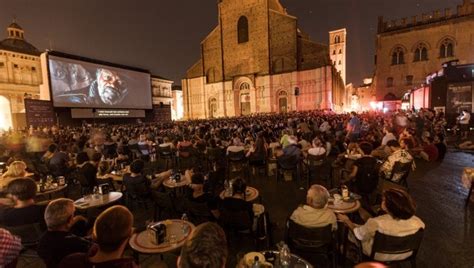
{"points": [[24, 210], [200, 206], [111, 232], [235, 212], [206, 248], [315, 212], [86, 172], [58, 241], [399, 220]]}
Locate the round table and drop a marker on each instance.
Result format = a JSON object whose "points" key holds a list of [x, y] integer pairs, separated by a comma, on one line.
{"points": [[142, 242], [295, 262], [114, 176], [251, 194], [344, 206], [52, 190], [95, 201], [172, 184]]}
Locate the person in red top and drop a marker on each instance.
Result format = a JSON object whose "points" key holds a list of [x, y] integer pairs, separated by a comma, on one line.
{"points": [[430, 151], [111, 232], [10, 247]]}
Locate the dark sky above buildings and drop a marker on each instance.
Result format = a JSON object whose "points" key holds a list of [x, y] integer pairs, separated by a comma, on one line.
{"points": [[164, 36]]}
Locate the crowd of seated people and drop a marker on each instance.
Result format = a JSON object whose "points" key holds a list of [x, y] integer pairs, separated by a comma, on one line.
{"points": [[369, 144]]}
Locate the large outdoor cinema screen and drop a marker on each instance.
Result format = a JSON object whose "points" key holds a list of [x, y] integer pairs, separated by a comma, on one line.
{"points": [[82, 84]]}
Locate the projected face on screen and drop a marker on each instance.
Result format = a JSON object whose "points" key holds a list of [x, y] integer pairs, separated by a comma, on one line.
{"points": [[108, 88], [84, 84]]}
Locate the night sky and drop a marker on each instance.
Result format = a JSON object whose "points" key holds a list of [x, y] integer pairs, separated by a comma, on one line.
{"points": [[164, 36]]}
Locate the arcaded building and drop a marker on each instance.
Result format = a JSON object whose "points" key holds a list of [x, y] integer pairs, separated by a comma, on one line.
{"points": [[257, 60], [20, 76], [410, 49]]}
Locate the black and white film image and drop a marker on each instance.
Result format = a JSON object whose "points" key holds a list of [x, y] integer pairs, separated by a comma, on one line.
{"points": [[83, 84]]}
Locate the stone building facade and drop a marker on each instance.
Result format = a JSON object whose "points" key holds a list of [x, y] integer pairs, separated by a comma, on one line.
{"points": [[256, 60], [408, 50], [337, 51], [20, 76], [161, 91]]}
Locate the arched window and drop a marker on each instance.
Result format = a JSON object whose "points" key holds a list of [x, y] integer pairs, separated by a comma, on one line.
{"points": [[446, 49], [334, 52], [389, 82], [421, 53], [244, 86], [340, 51], [337, 39], [398, 56], [243, 30]]}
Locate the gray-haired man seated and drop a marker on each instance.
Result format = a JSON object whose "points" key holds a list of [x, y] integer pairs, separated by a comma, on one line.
{"points": [[315, 212], [58, 241]]}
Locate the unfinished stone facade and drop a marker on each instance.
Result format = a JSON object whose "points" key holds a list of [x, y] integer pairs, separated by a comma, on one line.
{"points": [[409, 50], [255, 61]]}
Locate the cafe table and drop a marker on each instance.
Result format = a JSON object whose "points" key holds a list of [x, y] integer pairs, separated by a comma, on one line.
{"points": [[271, 258], [348, 206], [177, 186], [97, 200], [251, 194], [172, 184], [51, 189], [177, 232]]}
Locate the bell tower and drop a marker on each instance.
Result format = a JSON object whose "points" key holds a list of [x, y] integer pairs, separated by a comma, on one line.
{"points": [[337, 51]]}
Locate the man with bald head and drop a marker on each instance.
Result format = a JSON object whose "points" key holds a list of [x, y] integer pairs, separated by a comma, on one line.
{"points": [[315, 212]]}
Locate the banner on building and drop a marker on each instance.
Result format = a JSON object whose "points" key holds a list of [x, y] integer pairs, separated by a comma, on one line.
{"points": [[39, 113], [459, 98], [161, 113]]}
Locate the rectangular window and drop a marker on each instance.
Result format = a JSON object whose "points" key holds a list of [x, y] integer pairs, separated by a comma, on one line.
{"points": [[409, 80], [15, 65], [2, 64], [33, 69]]}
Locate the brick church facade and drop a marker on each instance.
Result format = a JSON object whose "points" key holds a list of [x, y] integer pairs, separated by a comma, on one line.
{"points": [[257, 60]]}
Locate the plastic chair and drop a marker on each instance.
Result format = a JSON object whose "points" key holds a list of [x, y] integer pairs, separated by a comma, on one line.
{"points": [[166, 154], [137, 193], [238, 161], [288, 163], [400, 172], [314, 165], [310, 242], [388, 244]]}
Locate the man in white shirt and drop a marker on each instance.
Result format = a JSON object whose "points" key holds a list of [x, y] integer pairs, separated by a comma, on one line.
{"points": [[318, 148], [464, 119], [315, 213], [388, 136]]}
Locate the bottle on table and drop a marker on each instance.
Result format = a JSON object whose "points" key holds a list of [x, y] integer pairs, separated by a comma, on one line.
{"points": [[184, 218], [256, 262], [285, 256], [344, 192]]}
